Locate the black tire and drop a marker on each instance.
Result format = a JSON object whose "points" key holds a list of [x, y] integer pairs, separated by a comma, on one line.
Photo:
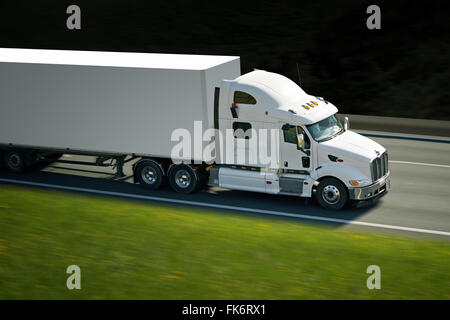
{"points": [[183, 179], [14, 161], [331, 194], [149, 174]]}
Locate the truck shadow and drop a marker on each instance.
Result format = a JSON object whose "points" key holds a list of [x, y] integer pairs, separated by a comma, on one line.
{"points": [[291, 205], [276, 206]]}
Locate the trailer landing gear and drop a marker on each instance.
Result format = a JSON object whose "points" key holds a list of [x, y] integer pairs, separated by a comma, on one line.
{"points": [[119, 167], [116, 162]]}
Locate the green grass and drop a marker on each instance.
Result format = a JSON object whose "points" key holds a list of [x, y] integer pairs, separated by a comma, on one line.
{"points": [[134, 250]]}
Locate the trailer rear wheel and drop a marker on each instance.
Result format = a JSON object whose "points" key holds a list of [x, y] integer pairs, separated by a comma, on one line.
{"points": [[149, 175], [14, 161], [183, 179], [331, 194]]}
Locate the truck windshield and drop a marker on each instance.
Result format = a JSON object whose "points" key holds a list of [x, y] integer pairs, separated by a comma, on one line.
{"points": [[325, 129]]}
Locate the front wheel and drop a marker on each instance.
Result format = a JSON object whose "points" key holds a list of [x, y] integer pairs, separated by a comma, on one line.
{"points": [[331, 194]]}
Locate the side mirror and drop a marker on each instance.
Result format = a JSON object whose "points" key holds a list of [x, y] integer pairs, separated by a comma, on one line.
{"points": [[300, 141], [301, 144], [346, 124]]}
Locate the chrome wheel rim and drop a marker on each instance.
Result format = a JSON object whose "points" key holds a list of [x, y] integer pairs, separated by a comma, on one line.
{"points": [[331, 194], [182, 179], [14, 161], [149, 175]]}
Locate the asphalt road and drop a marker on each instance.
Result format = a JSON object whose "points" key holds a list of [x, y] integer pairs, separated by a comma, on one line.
{"points": [[419, 196]]}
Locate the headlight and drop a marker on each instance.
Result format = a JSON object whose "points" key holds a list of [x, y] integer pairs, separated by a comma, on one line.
{"points": [[360, 183]]}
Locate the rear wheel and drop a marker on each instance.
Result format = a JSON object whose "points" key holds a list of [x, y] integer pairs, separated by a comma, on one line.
{"points": [[331, 194], [183, 179], [14, 161], [149, 175]]}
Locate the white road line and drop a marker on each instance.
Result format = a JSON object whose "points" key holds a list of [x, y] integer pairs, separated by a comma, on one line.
{"points": [[227, 207], [420, 163]]}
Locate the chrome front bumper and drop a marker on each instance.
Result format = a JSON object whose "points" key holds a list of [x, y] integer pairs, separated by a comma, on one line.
{"points": [[377, 189]]}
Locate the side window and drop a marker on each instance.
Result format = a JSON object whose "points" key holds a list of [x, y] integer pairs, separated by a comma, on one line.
{"points": [[242, 130], [290, 135], [242, 97]]}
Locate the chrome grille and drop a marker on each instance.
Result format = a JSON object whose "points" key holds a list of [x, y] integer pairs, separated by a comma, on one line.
{"points": [[379, 167]]}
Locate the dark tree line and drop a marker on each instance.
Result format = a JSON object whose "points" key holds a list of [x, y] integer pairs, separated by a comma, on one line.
{"points": [[401, 70]]}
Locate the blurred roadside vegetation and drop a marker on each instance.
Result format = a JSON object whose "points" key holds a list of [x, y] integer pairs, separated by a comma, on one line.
{"points": [[138, 250], [402, 70]]}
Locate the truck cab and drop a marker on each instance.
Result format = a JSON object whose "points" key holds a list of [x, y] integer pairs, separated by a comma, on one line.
{"points": [[281, 140]]}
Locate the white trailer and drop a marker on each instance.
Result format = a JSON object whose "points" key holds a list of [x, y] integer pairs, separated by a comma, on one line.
{"points": [[127, 106], [105, 102]]}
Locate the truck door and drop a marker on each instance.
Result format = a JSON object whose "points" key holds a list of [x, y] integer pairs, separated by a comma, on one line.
{"points": [[292, 157]]}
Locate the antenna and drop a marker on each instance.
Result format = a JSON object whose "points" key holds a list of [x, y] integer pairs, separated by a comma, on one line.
{"points": [[298, 72]]}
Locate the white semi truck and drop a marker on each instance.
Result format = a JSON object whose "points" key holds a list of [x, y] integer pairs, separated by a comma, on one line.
{"points": [[268, 135]]}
